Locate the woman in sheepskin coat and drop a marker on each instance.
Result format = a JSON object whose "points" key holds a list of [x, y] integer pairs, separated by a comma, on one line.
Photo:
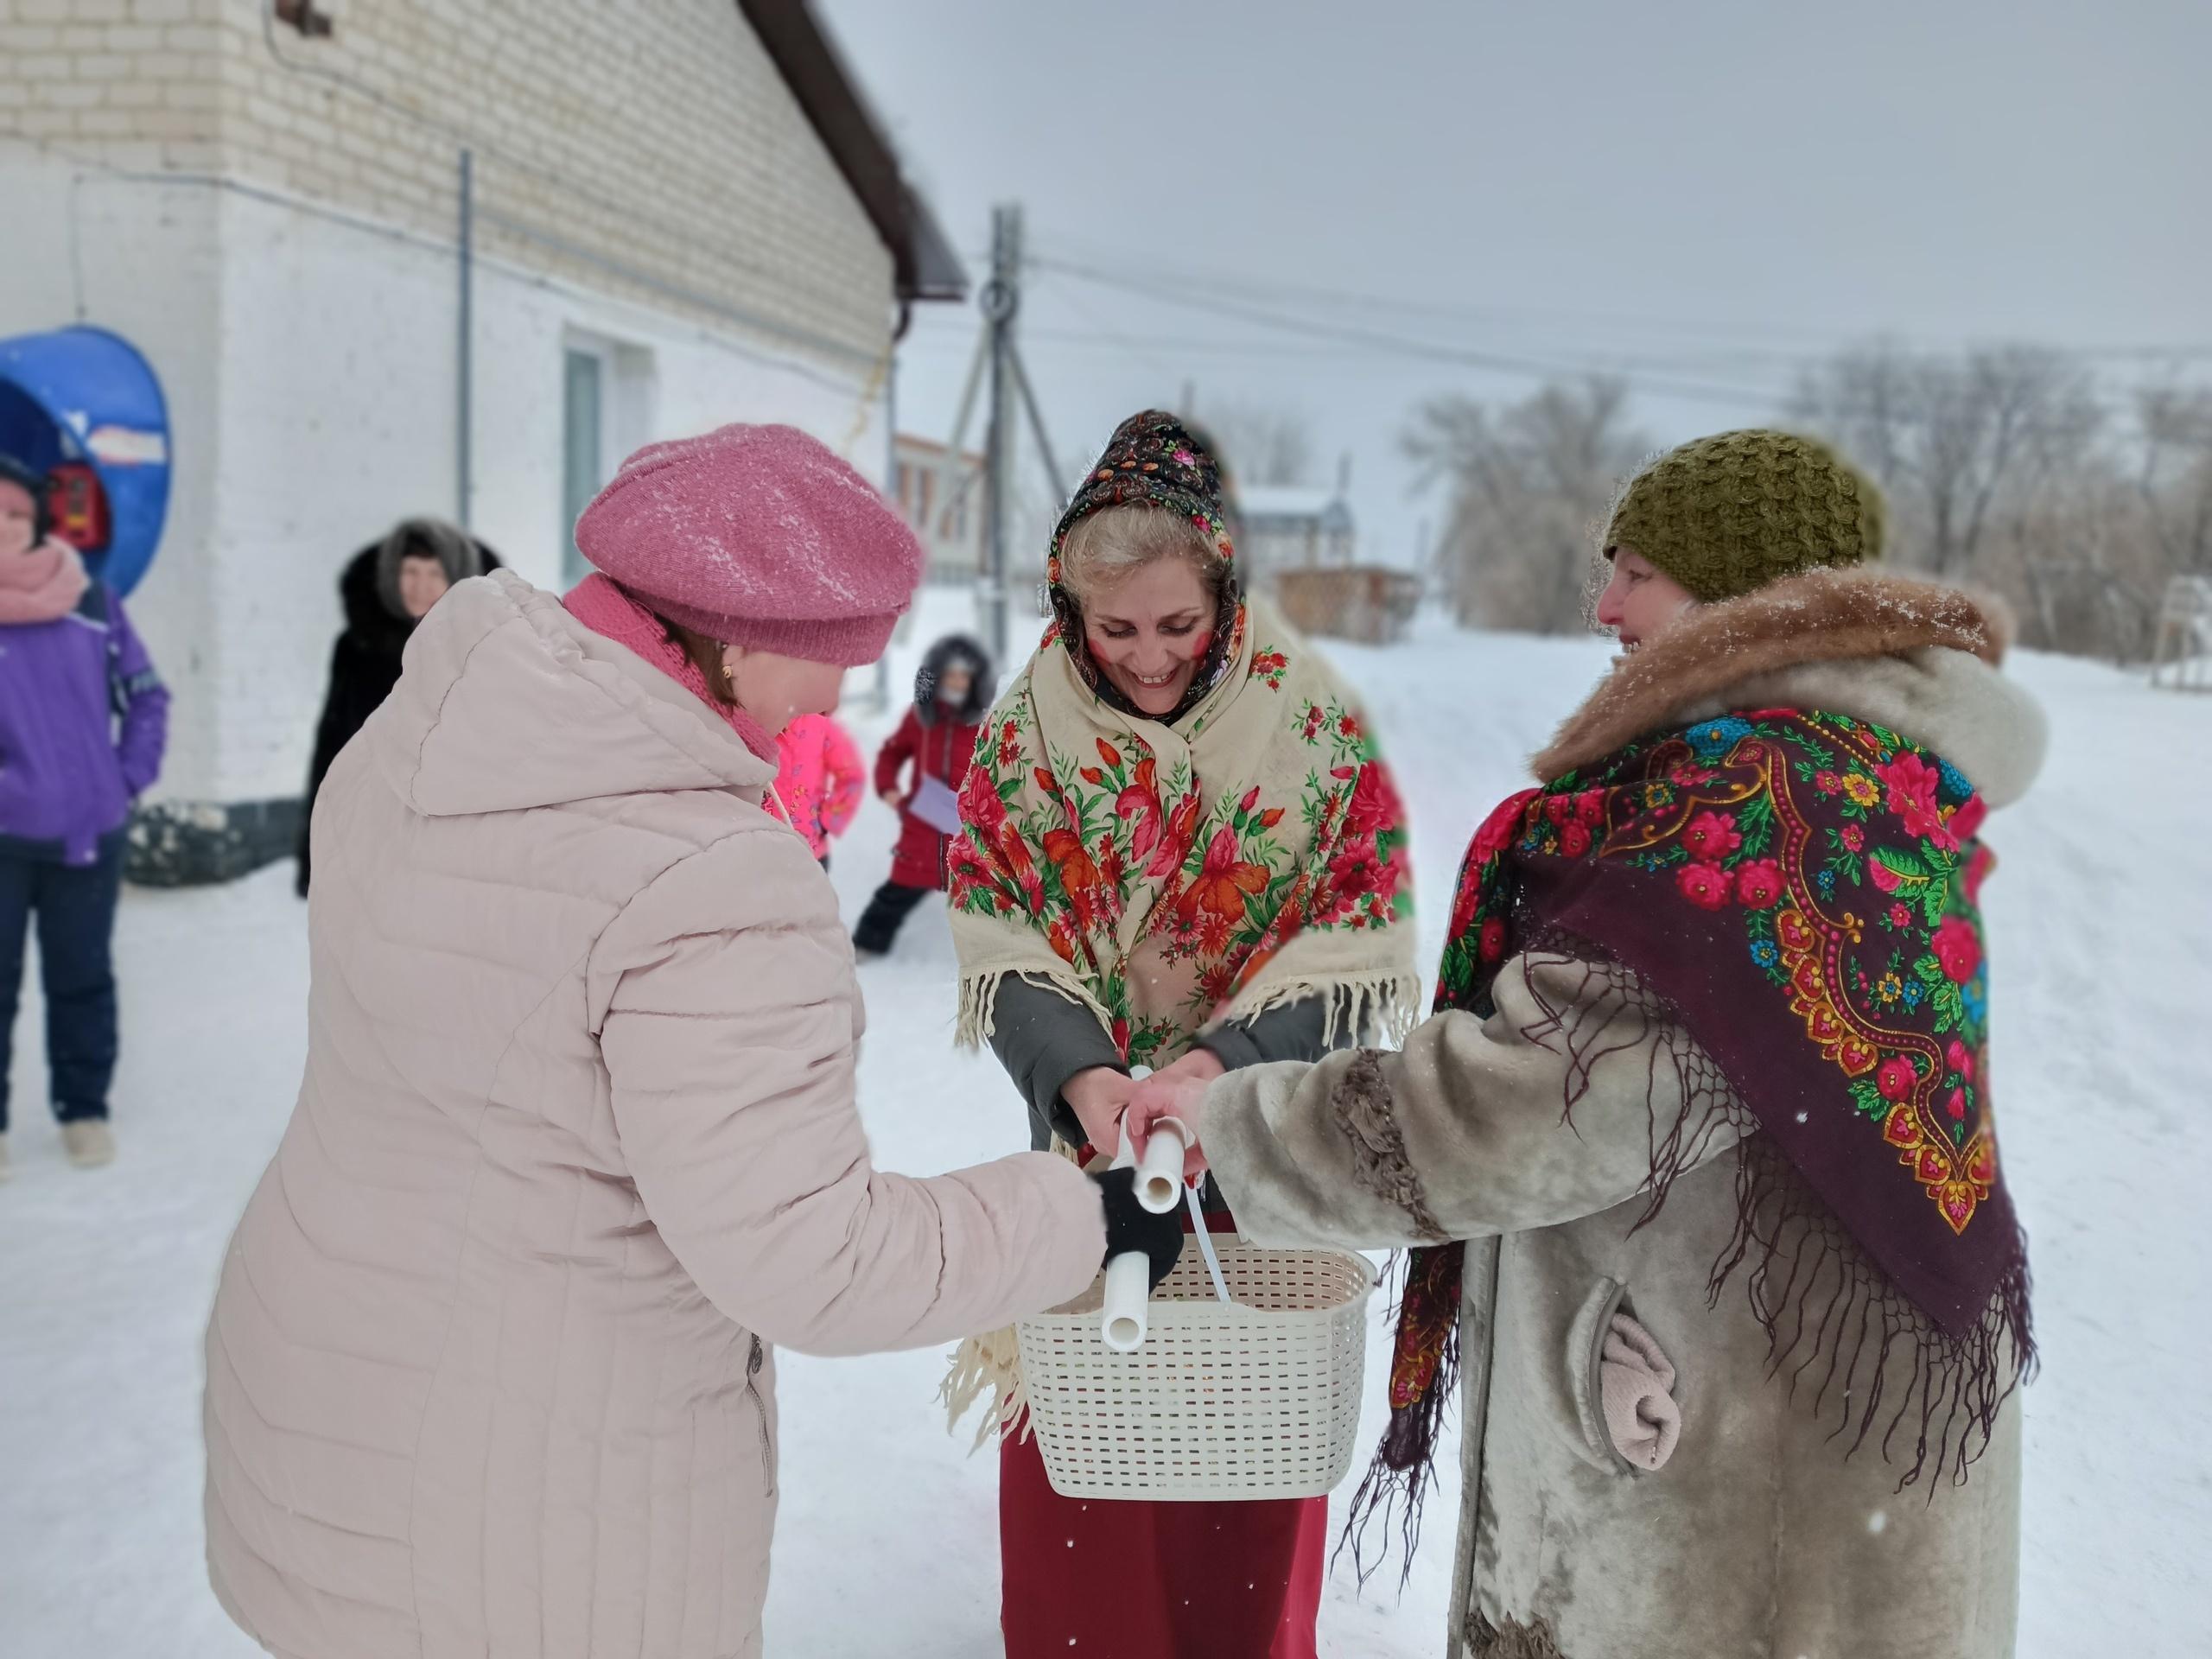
{"points": [[1696, 1156]]}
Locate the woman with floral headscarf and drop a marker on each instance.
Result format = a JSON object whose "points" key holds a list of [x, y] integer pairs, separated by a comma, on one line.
{"points": [[1180, 851]]}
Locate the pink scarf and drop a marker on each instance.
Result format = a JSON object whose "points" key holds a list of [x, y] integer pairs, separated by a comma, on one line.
{"points": [[42, 585], [613, 614]]}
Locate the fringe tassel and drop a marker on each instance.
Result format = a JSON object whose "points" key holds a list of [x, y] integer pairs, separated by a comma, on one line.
{"points": [[1824, 1304], [1819, 1299], [1398, 1478], [991, 1362], [1384, 1006], [979, 999]]}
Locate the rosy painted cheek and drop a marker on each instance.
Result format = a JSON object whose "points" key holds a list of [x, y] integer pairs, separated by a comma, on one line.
{"points": [[1202, 644]]}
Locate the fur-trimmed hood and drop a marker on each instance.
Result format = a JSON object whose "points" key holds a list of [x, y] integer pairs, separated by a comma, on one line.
{"points": [[455, 550], [1917, 658], [958, 650], [368, 589]]}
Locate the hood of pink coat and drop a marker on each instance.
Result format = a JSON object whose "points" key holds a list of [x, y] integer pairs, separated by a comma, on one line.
{"points": [[507, 702]]}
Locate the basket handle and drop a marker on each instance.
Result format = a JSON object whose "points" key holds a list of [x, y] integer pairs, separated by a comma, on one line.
{"points": [[1206, 1243]]}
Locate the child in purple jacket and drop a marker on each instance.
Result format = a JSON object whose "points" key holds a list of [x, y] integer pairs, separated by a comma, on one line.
{"points": [[83, 718]]}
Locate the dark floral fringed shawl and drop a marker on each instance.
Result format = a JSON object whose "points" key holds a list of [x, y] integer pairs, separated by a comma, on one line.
{"points": [[1798, 891]]}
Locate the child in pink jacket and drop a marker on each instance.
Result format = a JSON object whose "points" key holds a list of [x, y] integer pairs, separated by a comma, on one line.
{"points": [[819, 779]]}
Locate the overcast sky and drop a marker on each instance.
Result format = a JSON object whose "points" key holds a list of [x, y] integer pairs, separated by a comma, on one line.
{"points": [[1701, 193]]}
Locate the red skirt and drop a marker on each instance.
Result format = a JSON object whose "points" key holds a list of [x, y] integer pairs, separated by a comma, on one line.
{"points": [[1139, 1580]]}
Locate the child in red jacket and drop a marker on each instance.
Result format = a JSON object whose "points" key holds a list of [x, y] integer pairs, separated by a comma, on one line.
{"points": [[953, 692]]}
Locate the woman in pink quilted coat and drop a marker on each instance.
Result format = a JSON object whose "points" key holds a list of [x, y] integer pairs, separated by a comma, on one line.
{"points": [[491, 1368], [819, 780]]}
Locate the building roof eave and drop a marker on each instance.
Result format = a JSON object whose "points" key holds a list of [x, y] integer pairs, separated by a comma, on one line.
{"points": [[926, 266]]}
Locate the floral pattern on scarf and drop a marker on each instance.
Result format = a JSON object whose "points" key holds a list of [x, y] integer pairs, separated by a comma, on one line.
{"points": [[1802, 889], [1113, 842]]}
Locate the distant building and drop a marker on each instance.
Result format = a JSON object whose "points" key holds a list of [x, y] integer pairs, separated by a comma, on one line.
{"points": [[1295, 526], [677, 216], [942, 495], [1301, 546]]}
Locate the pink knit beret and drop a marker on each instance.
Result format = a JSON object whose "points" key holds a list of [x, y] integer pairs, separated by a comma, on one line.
{"points": [[757, 535]]}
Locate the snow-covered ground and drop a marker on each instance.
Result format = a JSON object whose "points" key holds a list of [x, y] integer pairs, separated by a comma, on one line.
{"points": [[887, 1537]]}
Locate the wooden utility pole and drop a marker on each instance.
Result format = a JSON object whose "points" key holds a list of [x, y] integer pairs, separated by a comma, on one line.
{"points": [[1001, 304]]}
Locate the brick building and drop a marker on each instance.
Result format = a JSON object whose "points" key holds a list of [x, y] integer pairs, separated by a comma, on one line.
{"points": [[944, 496], [676, 215]]}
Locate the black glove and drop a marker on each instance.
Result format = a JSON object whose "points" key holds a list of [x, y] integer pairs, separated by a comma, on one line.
{"points": [[1130, 1226]]}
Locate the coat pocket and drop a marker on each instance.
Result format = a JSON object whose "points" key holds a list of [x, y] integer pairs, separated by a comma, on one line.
{"points": [[1585, 1346], [1643, 1418], [755, 1362]]}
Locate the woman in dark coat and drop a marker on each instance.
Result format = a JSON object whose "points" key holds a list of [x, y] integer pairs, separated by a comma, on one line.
{"points": [[953, 691], [388, 587]]}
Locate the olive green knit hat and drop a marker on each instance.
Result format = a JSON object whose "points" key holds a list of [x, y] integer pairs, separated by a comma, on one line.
{"points": [[1725, 515]]}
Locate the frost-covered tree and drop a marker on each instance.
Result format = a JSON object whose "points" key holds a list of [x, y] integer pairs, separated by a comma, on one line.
{"points": [[1527, 488]]}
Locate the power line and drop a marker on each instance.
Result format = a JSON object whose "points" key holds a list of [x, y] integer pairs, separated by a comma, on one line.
{"points": [[1737, 397], [1120, 341], [1128, 344], [1279, 291], [1378, 339], [1819, 342]]}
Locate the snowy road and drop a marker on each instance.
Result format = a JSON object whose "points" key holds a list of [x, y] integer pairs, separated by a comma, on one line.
{"points": [[887, 1536]]}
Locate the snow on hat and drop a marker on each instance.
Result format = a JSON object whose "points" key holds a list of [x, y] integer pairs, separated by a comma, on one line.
{"points": [[758, 536]]}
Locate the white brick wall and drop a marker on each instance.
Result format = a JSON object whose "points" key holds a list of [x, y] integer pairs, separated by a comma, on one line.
{"points": [[339, 418], [287, 266], [659, 137]]}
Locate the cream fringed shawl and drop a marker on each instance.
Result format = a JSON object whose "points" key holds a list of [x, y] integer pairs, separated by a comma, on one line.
{"points": [[1171, 877]]}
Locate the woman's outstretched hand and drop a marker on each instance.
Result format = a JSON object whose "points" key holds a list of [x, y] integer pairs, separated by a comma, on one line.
{"points": [[1098, 1097], [1176, 1091]]}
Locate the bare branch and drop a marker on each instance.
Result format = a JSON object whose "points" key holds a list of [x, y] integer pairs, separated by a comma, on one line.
{"points": [[1526, 485], [1260, 445]]}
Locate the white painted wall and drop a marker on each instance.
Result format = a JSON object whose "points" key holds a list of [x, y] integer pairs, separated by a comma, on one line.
{"points": [[309, 365]]}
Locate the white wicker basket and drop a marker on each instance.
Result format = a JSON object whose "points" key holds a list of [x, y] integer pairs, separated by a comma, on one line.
{"points": [[1257, 1397]]}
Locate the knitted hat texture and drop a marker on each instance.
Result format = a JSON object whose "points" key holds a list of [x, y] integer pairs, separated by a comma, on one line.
{"points": [[760, 537], [1726, 515]]}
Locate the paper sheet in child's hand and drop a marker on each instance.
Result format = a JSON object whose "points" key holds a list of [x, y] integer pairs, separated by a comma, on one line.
{"points": [[934, 805]]}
